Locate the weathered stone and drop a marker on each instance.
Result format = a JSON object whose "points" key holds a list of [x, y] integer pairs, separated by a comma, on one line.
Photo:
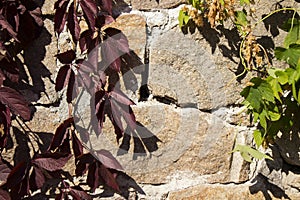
{"points": [[155, 4], [226, 192], [170, 139], [184, 67], [134, 28]]}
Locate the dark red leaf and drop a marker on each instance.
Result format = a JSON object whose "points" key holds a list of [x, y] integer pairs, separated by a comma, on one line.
{"points": [[77, 146], [108, 177], [106, 5], [66, 57], [37, 179], [103, 20], [82, 163], [5, 25], [16, 175], [4, 195], [120, 97], [2, 77], [78, 193], [37, 16], [119, 40], [93, 176], [28, 29], [12, 16], [10, 69], [70, 87], [62, 78], [60, 16], [73, 24], [4, 171], [15, 102], [119, 110], [107, 159], [115, 117], [5, 123], [85, 41], [51, 161], [90, 11], [60, 134]]}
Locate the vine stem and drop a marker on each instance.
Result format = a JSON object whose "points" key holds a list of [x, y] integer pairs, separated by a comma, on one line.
{"points": [[273, 12]]}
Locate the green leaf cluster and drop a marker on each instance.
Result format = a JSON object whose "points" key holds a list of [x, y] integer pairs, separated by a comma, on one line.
{"points": [[274, 100]]}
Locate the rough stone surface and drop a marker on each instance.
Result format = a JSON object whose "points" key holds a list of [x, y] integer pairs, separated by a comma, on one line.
{"points": [[189, 72], [226, 192], [197, 137], [155, 4]]}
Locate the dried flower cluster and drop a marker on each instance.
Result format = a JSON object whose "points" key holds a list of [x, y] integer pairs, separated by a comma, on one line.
{"points": [[252, 52], [219, 11], [194, 14]]}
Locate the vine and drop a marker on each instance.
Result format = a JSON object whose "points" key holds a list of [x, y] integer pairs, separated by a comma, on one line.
{"points": [[273, 96]]}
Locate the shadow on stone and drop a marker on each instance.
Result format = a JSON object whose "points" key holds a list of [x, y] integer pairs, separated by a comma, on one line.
{"points": [[261, 184], [143, 141]]}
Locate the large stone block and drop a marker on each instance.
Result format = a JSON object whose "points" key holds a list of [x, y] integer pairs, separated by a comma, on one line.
{"points": [[170, 139], [185, 70], [155, 4]]}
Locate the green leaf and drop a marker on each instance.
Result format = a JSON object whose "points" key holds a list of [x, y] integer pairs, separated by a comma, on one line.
{"points": [[262, 119], [291, 55], [241, 20], [293, 37], [283, 78], [275, 87], [242, 2], [258, 138], [247, 151], [183, 18]]}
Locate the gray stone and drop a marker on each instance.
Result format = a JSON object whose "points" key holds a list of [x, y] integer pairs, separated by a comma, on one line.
{"points": [[171, 139], [155, 4], [189, 72]]}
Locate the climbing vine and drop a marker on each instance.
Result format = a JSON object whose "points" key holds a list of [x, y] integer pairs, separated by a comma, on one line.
{"points": [[272, 96]]}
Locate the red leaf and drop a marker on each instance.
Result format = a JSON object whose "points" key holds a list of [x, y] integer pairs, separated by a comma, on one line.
{"points": [[93, 176], [60, 196], [90, 11], [51, 161], [5, 120], [120, 97], [70, 87], [66, 57], [82, 163], [16, 175], [60, 16], [10, 69], [37, 179], [2, 77], [78, 194], [73, 24], [85, 41], [37, 16], [4, 171], [77, 146], [118, 39], [60, 134], [5, 25], [106, 5], [4, 195], [108, 178], [107, 159], [15, 102], [62, 78], [103, 20]]}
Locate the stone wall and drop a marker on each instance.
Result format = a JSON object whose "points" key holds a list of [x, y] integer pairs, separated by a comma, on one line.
{"points": [[190, 120]]}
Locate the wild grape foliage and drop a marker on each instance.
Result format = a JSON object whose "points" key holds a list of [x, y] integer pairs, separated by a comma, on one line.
{"points": [[21, 22]]}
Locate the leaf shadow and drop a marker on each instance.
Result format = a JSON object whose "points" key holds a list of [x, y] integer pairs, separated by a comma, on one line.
{"points": [[143, 141], [262, 184], [22, 150]]}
